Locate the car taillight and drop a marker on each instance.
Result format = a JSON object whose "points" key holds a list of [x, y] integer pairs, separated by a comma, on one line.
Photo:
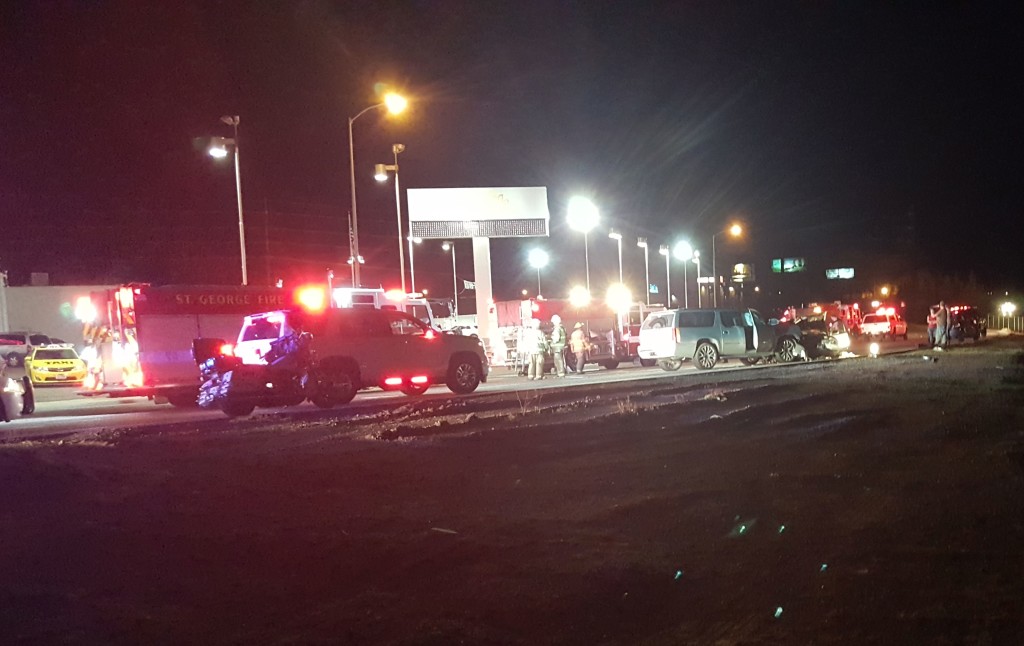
{"points": [[227, 350], [430, 334], [419, 379], [676, 335], [393, 381]]}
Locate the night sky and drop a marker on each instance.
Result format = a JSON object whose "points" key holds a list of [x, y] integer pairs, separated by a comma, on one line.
{"points": [[820, 125]]}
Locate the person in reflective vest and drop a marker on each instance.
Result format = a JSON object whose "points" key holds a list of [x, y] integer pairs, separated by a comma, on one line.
{"points": [[557, 344]]}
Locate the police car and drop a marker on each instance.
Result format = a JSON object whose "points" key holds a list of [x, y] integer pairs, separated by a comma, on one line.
{"points": [[55, 363]]}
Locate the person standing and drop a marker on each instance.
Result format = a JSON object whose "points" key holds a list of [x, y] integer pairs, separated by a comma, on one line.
{"points": [[536, 345], [557, 345], [941, 326], [932, 322], [579, 344]]}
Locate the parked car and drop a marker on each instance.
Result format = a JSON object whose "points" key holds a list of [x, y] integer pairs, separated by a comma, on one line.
{"points": [[16, 345], [671, 337], [966, 322], [56, 363], [327, 357], [883, 325]]}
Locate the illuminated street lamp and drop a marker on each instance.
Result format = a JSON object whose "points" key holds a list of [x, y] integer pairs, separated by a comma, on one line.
{"points": [[683, 251], [583, 216], [394, 105], [579, 296], [450, 246], [381, 173], [538, 259], [642, 243], [735, 231], [219, 150], [663, 250], [617, 237], [884, 291]]}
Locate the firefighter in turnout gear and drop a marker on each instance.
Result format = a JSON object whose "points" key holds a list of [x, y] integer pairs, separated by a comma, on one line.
{"points": [[536, 346], [558, 341]]}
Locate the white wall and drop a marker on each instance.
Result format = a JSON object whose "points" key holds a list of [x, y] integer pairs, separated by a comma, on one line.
{"points": [[49, 310]]}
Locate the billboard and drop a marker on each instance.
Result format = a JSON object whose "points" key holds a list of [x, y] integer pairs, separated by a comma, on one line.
{"points": [[787, 265], [743, 272], [449, 213], [839, 273]]}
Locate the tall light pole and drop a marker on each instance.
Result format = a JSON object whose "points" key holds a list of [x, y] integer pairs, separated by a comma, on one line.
{"points": [[735, 231], [642, 243], [617, 237], [663, 250], [450, 246], [412, 264], [381, 174], [583, 216], [219, 149], [696, 261], [394, 104], [684, 252], [538, 259]]}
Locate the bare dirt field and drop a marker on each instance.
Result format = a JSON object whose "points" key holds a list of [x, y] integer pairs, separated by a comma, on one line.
{"points": [[861, 501]]}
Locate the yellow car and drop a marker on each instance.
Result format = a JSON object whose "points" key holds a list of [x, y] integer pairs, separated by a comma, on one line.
{"points": [[55, 364]]}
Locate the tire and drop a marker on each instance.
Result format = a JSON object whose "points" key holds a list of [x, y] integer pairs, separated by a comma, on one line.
{"points": [[749, 361], [706, 356], [28, 401], [786, 351], [669, 365], [240, 408], [648, 363], [415, 390], [338, 386], [610, 364], [464, 374]]}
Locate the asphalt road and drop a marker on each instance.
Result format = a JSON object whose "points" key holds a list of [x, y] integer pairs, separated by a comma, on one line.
{"points": [[60, 410]]}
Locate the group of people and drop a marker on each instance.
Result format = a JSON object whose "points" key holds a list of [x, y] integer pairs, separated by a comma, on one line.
{"points": [[537, 345], [938, 326]]}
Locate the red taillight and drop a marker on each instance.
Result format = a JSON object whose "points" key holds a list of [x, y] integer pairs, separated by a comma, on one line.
{"points": [[430, 334], [227, 350], [393, 381], [675, 335], [419, 379]]}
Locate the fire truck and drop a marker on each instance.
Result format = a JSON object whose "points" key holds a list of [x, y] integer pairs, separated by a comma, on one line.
{"points": [[139, 337]]}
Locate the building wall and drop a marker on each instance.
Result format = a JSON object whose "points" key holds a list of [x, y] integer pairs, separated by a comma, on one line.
{"points": [[50, 310]]}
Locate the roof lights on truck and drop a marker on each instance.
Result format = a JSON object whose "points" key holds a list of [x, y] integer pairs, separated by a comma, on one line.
{"points": [[311, 298]]}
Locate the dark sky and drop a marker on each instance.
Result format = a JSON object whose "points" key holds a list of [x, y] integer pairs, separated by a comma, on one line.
{"points": [[813, 122]]}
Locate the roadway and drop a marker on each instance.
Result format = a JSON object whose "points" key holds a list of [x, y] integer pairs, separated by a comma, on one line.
{"points": [[61, 411]]}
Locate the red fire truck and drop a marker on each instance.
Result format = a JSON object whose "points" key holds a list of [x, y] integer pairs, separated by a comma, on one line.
{"points": [[139, 337]]}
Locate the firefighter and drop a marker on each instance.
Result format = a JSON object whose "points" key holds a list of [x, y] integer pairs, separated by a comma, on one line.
{"points": [[557, 344], [536, 347], [579, 344]]}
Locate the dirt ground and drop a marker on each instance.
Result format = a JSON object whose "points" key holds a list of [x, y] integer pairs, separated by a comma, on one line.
{"points": [[861, 501]]}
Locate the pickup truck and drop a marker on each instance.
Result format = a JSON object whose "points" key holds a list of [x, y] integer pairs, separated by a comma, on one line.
{"points": [[883, 325], [671, 337]]}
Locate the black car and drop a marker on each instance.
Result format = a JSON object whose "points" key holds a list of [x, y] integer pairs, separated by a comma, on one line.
{"points": [[966, 322]]}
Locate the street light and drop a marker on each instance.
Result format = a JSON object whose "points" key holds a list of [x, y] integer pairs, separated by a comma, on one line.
{"points": [[642, 243], [450, 246], [683, 251], [583, 216], [219, 149], [412, 264], [381, 173], [735, 231], [663, 250], [538, 259], [617, 237], [394, 104]]}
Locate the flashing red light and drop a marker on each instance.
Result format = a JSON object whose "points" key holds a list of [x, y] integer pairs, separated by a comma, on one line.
{"points": [[312, 298], [430, 334], [880, 310], [394, 295], [535, 307], [891, 311], [419, 379], [227, 349], [393, 381]]}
